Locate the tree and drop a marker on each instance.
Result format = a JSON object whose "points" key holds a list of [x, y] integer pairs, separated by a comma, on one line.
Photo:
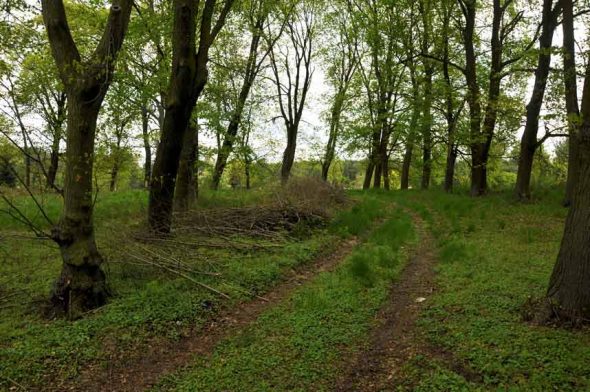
{"points": [[188, 78], [571, 98], [256, 17], [569, 286], [482, 134], [82, 284], [343, 56], [292, 70], [529, 142]]}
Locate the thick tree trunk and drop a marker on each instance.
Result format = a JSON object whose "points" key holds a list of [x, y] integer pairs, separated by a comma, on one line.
{"points": [[180, 101], [147, 166], [569, 286], [81, 285], [187, 81], [528, 142], [185, 194], [473, 99], [289, 154]]}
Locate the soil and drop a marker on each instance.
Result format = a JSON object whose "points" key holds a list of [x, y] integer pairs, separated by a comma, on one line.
{"points": [[395, 340], [164, 357]]}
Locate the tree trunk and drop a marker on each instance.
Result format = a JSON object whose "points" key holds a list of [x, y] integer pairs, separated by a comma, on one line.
{"points": [[450, 115], [289, 154], [185, 194], [377, 176], [252, 69], [187, 81], [53, 161], [114, 177], [450, 167], [147, 166], [407, 163], [569, 286], [369, 174], [479, 186], [571, 97], [427, 109], [333, 137], [528, 142], [473, 99], [247, 164], [180, 101], [82, 284]]}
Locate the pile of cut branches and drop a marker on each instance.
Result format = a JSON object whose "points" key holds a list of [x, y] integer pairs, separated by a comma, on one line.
{"points": [[303, 203]]}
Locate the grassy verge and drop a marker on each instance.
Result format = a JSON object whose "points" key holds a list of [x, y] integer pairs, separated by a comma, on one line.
{"points": [[148, 304], [299, 344], [494, 254]]}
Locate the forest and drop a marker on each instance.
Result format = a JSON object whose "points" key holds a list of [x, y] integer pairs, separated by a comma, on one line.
{"points": [[294, 195]]}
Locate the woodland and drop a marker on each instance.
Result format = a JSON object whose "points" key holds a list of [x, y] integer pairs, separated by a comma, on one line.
{"points": [[281, 195]]}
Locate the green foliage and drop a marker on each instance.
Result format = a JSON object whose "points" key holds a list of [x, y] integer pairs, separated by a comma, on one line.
{"points": [[485, 275], [148, 304], [298, 344]]}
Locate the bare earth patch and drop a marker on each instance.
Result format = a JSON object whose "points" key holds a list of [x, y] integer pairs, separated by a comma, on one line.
{"points": [[165, 357]]}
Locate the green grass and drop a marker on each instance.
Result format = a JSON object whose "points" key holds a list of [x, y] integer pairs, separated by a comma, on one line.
{"points": [[148, 303], [494, 254], [298, 345]]}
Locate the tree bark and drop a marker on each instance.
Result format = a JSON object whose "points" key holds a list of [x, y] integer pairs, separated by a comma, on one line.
{"points": [[333, 137], [425, 10], [473, 94], [147, 146], [571, 98], [450, 115], [185, 194], [82, 284], [57, 133], [569, 286], [289, 153], [427, 129]]}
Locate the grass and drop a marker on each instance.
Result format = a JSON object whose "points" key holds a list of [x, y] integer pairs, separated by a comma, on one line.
{"points": [[298, 344], [147, 305], [494, 254]]}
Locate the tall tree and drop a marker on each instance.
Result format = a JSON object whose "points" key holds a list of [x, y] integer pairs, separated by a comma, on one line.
{"points": [[343, 58], [257, 16], [82, 284], [292, 70], [529, 142], [188, 78], [569, 286], [571, 97], [428, 65]]}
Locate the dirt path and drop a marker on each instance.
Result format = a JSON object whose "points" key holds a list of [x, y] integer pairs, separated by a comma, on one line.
{"points": [[163, 358], [394, 341]]}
